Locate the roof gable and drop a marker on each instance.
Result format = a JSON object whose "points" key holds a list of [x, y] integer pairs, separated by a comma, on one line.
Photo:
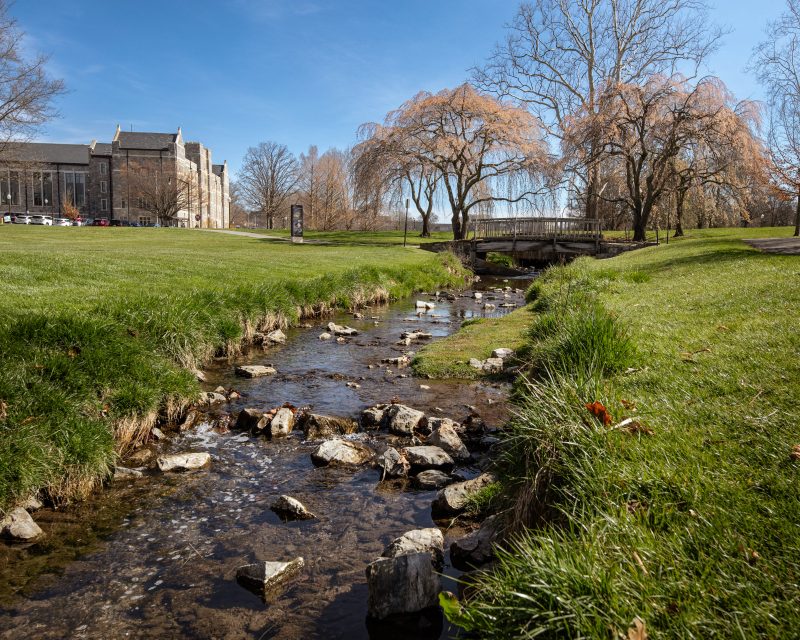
{"points": [[145, 140]]}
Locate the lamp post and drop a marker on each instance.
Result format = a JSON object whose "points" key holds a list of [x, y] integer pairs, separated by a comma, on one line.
{"points": [[46, 202]]}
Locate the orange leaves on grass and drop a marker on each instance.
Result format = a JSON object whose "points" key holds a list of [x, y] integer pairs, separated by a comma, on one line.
{"points": [[599, 411]]}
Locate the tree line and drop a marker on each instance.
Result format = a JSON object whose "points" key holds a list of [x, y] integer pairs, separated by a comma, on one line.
{"points": [[596, 107]]}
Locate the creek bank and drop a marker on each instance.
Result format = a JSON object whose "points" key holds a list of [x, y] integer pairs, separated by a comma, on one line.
{"points": [[319, 393]]}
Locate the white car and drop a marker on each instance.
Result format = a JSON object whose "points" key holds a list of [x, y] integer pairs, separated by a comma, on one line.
{"points": [[22, 219], [43, 220], [62, 222]]}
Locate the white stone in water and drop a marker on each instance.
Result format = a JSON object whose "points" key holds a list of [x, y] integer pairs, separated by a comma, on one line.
{"points": [[432, 479], [183, 461], [282, 422], [291, 508], [402, 420], [254, 371], [339, 330], [125, 472], [264, 577], [452, 500], [276, 337], [428, 540], [212, 397], [18, 525], [477, 295], [337, 451], [393, 464], [428, 457], [325, 336]]}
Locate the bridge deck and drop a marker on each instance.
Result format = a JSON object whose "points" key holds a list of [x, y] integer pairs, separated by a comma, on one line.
{"points": [[555, 229]]}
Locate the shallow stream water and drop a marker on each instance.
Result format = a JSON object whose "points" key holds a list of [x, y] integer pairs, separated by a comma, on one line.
{"points": [[156, 557]]}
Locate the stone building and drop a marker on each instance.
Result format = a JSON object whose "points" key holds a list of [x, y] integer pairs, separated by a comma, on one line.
{"points": [[104, 179]]}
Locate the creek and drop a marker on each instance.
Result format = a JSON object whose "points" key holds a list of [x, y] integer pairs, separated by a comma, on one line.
{"points": [[156, 557]]}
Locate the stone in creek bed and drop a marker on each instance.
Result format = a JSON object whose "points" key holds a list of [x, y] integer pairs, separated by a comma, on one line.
{"points": [[452, 500], [122, 473], [276, 337], [339, 330], [416, 335], [282, 422], [340, 452], [18, 525], [318, 427], [183, 461], [402, 420], [372, 418], [428, 457], [264, 578], [325, 336], [254, 371], [250, 419], [428, 540], [404, 584], [291, 509], [446, 437], [393, 464], [400, 361], [432, 479], [212, 397], [502, 353], [476, 548], [493, 365]]}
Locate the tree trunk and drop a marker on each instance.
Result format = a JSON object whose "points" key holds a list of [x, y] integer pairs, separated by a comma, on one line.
{"points": [[456, 220], [797, 217], [426, 231], [640, 226], [679, 215]]}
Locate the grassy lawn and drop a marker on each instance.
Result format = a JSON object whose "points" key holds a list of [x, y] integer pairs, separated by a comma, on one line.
{"points": [[449, 358], [687, 517], [387, 238], [99, 326]]}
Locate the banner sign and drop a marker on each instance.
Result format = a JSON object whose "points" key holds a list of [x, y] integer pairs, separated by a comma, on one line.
{"points": [[297, 223]]}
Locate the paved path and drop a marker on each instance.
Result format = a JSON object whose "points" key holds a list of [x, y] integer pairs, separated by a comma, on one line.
{"points": [[786, 246], [247, 234]]}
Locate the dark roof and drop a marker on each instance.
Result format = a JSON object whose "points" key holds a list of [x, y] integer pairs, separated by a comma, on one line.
{"points": [[46, 152], [144, 140], [217, 169], [102, 149]]}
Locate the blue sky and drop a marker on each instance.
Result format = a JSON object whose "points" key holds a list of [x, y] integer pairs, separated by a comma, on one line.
{"points": [[233, 73]]}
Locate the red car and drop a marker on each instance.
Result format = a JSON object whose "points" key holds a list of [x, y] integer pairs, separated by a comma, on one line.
{"points": [[100, 222]]}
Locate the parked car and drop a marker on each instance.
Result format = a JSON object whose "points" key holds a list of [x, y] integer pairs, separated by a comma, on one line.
{"points": [[42, 220], [62, 222], [78, 222], [120, 223], [22, 219], [100, 222], [8, 218]]}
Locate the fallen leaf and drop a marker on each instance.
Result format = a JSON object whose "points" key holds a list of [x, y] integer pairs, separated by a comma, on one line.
{"points": [[73, 352], [722, 327], [631, 406], [795, 454], [629, 425], [598, 410], [3, 410], [637, 630]]}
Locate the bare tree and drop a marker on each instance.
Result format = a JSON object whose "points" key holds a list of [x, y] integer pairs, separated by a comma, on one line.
{"points": [[486, 151], [268, 180], [239, 214], [309, 185], [560, 54], [26, 90], [644, 128], [167, 197], [777, 63]]}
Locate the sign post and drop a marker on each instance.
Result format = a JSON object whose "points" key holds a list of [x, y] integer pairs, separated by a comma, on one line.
{"points": [[297, 223]]}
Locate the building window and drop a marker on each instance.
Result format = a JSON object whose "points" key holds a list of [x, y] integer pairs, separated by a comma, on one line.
{"points": [[124, 203], [75, 188], [145, 221], [10, 186], [104, 187], [141, 202], [42, 188], [103, 168], [103, 204]]}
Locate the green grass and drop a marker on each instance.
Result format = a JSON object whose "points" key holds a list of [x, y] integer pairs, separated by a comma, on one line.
{"points": [[690, 523], [378, 238], [449, 357], [98, 328]]}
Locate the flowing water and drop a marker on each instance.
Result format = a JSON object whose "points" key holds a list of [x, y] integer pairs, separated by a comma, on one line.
{"points": [[156, 557]]}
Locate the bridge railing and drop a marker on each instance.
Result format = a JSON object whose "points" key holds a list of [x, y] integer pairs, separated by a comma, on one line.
{"points": [[565, 229]]}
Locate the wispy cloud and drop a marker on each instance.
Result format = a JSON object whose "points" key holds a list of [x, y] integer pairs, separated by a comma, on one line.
{"points": [[268, 10]]}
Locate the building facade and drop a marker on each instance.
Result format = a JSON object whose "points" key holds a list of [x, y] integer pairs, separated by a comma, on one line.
{"points": [[112, 179]]}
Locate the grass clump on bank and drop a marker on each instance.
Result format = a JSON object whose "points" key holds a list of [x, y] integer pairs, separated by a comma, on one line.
{"points": [[99, 328], [674, 508], [449, 357]]}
